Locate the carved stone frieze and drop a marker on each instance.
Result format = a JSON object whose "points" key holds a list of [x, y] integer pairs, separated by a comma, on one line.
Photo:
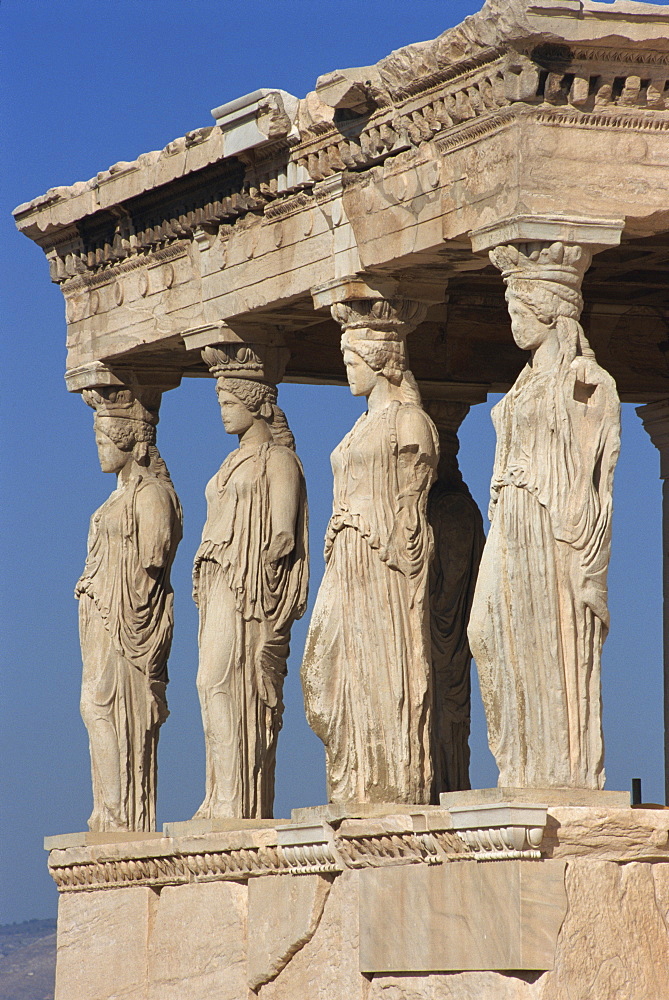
{"points": [[373, 844], [504, 843], [486, 832]]}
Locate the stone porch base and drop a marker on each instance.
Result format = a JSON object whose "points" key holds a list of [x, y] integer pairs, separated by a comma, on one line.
{"points": [[410, 905]]}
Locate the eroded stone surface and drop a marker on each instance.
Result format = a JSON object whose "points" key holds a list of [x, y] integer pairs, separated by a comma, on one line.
{"points": [[103, 944], [197, 945], [326, 968], [614, 940], [607, 834], [284, 913]]}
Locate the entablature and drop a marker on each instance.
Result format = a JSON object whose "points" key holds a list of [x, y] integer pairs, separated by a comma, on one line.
{"points": [[524, 112]]}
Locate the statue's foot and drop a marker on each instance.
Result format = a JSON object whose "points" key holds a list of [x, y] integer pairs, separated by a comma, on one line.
{"points": [[203, 812], [105, 821], [217, 810]]}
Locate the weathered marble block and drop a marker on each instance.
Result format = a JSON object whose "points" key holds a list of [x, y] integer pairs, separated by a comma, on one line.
{"points": [[466, 916], [198, 943], [103, 944]]}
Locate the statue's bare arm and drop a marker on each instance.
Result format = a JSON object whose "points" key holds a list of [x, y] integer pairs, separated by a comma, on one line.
{"points": [[284, 496], [417, 453], [417, 458], [154, 529]]}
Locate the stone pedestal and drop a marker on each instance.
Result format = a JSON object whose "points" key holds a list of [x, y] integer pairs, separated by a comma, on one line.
{"points": [[388, 907]]}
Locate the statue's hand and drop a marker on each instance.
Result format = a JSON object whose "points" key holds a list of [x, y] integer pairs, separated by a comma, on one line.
{"points": [[282, 544]]}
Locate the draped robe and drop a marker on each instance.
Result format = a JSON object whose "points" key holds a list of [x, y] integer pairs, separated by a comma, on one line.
{"points": [[247, 606], [366, 672], [540, 614], [458, 542], [125, 624]]}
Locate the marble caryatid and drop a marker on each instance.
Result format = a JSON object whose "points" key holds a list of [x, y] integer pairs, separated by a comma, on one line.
{"points": [[125, 610], [458, 542], [540, 609], [250, 584], [367, 671]]}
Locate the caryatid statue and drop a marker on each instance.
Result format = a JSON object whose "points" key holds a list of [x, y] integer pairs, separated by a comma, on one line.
{"points": [[125, 610], [250, 584], [540, 609], [458, 542], [366, 672]]}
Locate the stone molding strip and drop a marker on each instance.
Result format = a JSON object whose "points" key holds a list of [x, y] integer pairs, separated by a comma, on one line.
{"points": [[181, 868], [424, 837], [297, 849], [485, 832], [501, 831]]}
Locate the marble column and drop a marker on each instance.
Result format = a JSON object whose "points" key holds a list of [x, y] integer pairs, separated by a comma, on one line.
{"points": [[366, 673], [655, 417], [125, 599], [540, 614], [250, 582], [458, 542]]}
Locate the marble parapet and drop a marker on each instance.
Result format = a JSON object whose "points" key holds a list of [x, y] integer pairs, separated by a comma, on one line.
{"points": [[428, 835]]}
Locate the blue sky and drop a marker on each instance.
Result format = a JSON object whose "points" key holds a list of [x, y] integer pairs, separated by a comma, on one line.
{"points": [[87, 84]]}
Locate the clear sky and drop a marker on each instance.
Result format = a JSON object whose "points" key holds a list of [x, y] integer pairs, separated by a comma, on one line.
{"points": [[87, 84]]}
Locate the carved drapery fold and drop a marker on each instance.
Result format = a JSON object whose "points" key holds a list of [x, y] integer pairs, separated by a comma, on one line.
{"points": [[458, 542]]}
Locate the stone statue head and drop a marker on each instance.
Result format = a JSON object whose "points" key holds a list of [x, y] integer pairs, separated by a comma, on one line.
{"points": [[543, 292], [245, 387], [245, 400], [374, 343], [124, 426], [372, 354]]}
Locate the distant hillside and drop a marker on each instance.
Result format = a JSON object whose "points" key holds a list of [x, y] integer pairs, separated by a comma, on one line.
{"points": [[27, 960]]}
